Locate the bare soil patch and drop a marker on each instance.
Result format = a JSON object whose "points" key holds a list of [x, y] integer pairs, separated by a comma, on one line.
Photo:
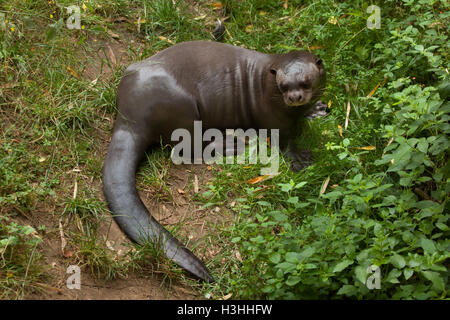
{"points": [[176, 210]]}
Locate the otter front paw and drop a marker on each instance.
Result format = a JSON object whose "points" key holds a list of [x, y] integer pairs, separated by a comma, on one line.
{"points": [[318, 111], [300, 159]]}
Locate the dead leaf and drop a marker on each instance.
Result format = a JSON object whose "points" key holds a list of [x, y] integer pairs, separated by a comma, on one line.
{"points": [[340, 131], [195, 184], [285, 4], [347, 116], [111, 56], [228, 33], [262, 178], [140, 21], [68, 253], [217, 5], [72, 72], [325, 185], [389, 143], [373, 90], [257, 179], [109, 245], [329, 104], [139, 25], [61, 235], [228, 296], [112, 34], [180, 191], [93, 83], [75, 189], [162, 38], [238, 255], [203, 16], [315, 47], [376, 87], [368, 148]]}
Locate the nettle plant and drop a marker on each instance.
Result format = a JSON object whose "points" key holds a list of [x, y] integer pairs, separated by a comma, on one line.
{"points": [[396, 219], [390, 210], [419, 137], [18, 245]]}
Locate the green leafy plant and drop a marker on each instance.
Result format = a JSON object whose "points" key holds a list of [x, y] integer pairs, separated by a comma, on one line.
{"points": [[387, 204], [19, 258]]}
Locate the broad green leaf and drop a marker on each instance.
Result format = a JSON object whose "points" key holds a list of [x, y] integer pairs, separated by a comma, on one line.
{"points": [[293, 200], [308, 252], [342, 265], [293, 280], [348, 290], [398, 261], [361, 274], [393, 276], [435, 278], [275, 257], [286, 266], [408, 273], [292, 257], [300, 184], [422, 146], [428, 246]]}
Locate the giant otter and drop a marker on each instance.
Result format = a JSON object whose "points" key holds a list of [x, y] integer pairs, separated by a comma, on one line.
{"points": [[223, 86]]}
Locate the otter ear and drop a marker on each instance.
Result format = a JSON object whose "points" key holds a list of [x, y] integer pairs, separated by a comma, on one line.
{"points": [[319, 63], [273, 71]]}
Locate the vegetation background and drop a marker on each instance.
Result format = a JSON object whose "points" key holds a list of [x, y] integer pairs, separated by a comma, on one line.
{"points": [[377, 194]]}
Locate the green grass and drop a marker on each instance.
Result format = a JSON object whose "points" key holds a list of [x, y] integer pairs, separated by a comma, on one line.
{"points": [[288, 239]]}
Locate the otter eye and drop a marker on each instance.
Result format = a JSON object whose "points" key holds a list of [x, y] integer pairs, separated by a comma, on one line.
{"points": [[284, 87], [305, 84]]}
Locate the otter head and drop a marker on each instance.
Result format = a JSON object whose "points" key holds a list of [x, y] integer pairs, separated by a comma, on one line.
{"points": [[300, 77]]}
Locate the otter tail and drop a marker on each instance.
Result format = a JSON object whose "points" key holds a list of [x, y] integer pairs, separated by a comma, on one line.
{"points": [[119, 187]]}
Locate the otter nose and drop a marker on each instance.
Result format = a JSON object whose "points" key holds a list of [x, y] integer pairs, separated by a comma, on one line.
{"points": [[295, 97]]}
